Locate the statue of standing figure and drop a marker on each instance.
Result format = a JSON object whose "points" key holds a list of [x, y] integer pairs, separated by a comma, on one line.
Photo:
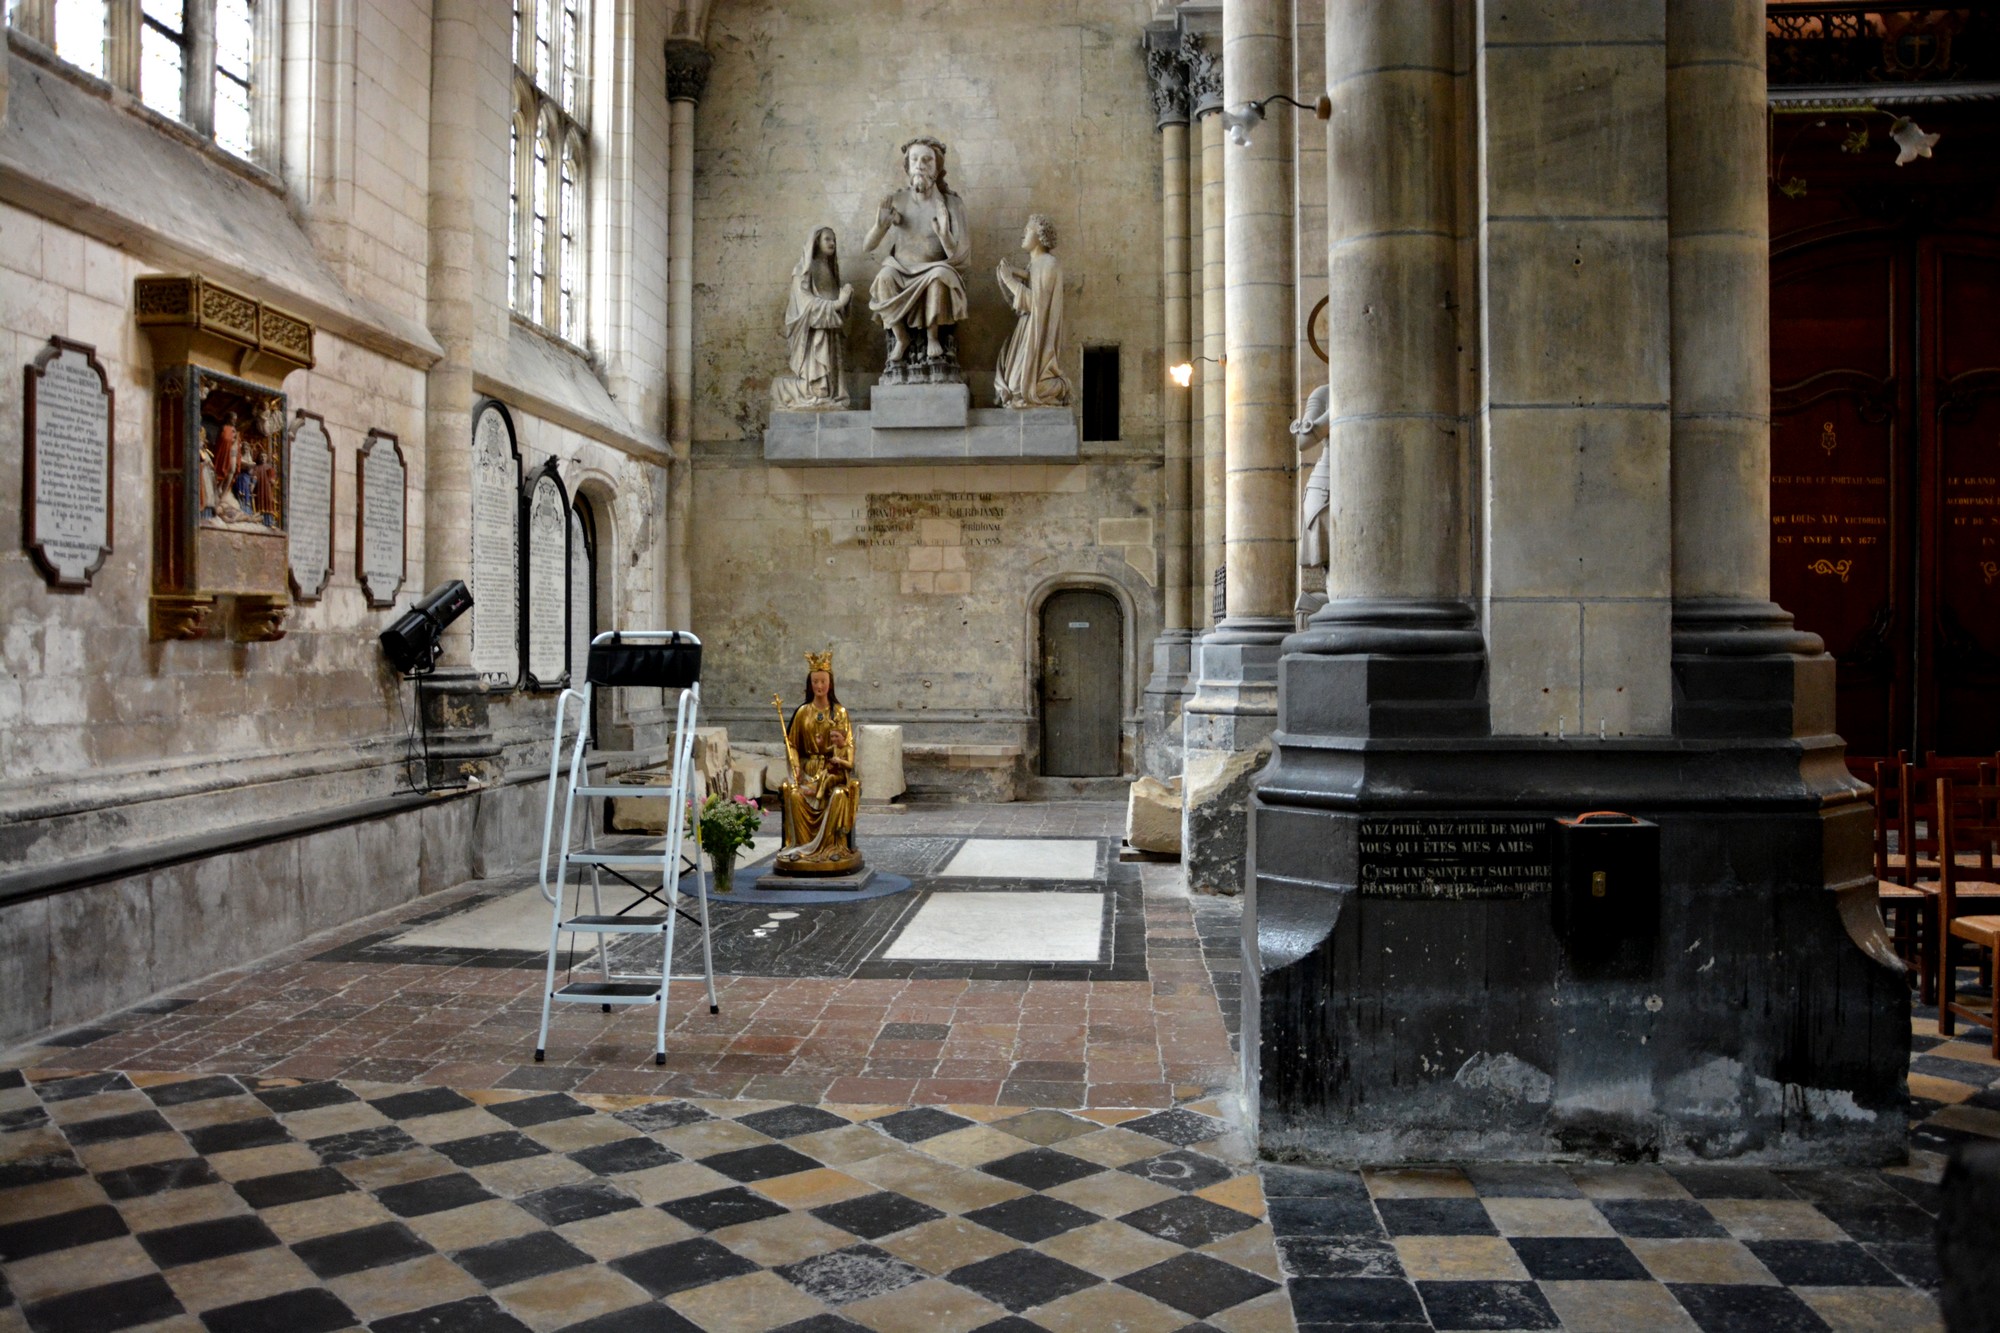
{"points": [[1030, 373], [920, 289], [1319, 485], [815, 311]]}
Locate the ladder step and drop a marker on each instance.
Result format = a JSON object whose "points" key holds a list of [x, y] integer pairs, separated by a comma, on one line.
{"points": [[617, 925], [610, 992], [626, 789], [616, 858]]}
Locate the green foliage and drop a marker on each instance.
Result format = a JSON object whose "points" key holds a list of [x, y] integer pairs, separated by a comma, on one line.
{"points": [[727, 823]]}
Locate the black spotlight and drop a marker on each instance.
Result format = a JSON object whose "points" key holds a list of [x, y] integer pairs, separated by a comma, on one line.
{"points": [[413, 643]]}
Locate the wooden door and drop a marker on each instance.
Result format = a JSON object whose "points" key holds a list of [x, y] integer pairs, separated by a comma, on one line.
{"points": [[1083, 643]]}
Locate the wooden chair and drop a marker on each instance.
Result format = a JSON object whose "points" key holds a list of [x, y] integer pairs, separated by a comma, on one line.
{"points": [[1909, 909], [1968, 824]]}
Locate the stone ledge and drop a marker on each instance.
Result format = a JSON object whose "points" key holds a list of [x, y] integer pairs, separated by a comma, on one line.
{"points": [[964, 755], [991, 434]]}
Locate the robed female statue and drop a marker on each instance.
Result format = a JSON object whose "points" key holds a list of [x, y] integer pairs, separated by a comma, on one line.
{"points": [[824, 794], [815, 311]]}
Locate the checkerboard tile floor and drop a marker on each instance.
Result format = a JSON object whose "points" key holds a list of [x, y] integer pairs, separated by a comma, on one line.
{"points": [[232, 1204]]}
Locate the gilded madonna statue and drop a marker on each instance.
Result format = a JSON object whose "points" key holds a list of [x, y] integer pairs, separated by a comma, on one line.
{"points": [[823, 795]]}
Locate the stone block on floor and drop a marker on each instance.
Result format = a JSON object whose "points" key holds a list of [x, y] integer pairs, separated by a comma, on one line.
{"points": [[1153, 816]]}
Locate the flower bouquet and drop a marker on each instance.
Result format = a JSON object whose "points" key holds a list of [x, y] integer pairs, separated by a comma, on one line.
{"points": [[725, 824]]}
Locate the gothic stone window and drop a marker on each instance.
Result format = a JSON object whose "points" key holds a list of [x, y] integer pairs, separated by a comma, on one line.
{"points": [[550, 154]]}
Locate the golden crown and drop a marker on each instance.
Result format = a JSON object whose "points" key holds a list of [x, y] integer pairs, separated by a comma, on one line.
{"points": [[820, 661]]}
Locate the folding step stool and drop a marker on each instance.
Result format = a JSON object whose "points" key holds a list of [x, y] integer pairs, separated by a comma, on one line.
{"points": [[625, 659]]}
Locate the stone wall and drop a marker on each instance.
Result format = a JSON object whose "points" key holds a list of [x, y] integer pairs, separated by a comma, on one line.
{"points": [[799, 127]]}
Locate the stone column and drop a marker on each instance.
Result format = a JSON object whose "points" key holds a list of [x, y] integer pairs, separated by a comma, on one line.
{"points": [[1205, 91], [1161, 708], [687, 74], [1234, 709]]}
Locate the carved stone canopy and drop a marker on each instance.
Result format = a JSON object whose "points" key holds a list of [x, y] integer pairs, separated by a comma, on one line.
{"points": [[191, 320], [688, 64]]}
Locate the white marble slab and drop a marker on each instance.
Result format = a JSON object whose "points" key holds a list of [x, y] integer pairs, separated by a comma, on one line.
{"points": [[1024, 858], [1003, 928], [518, 921]]}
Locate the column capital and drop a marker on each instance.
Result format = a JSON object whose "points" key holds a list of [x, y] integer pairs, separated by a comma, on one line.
{"points": [[688, 64], [1203, 58], [1167, 80]]}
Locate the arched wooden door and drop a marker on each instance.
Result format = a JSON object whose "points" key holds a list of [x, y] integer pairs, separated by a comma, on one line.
{"points": [[1083, 646]]}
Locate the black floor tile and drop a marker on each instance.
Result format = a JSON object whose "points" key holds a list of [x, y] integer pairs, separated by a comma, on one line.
{"points": [[110, 1128], [156, 1177], [722, 1208], [519, 1258], [1821, 1263], [1356, 1301], [1730, 1182], [914, 1032], [1889, 1224], [873, 1216], [236, 1135], [654, 1318], [380, 1141], [1435, 1217], [1579, 1259], [192, 1242], [1915, 1264], [563, 1204], [1324, 1217], [1522, 1182], [1181, 1127], [422, 1102], [23, 1117], [505, 1145], [63, 1231], [39, 1170], [356, 1251], [1012, 1323], [474, 1314], [80, 1085], [1198, 1284], [787, 1122], [1032, 1218], [1019, 1279], [539, 1110], [1923, 1193], [1305, 1182], [140, 1300], [833, 1323], [1041, 1168], [622, 1155], [919, 1123], [1181, 1170], [293, 1187], [437, 1194], [1958, 1071], [1510, 1305], [764, 1162], [1835, 1186], [194, 1090], [77, 1037], [1660, 1219], [303, 1097], [853, 1274], [1188, 1221], [1338, 1256], [666, 1269], [1746, 1309], [313, 1310], [656, 1116]]}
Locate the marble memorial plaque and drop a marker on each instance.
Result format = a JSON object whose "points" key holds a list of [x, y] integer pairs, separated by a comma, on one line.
{"points": [[1454, 856], [68, 492], [545, 580], [381, 534], [580, 572], [309, 507], [496, 547]]}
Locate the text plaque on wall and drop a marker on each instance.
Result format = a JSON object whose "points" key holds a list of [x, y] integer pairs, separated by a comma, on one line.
{"points": [[581, 578], [545, 579], [67, 494], [1454, 856], [309, 507], [381, 533], [496, 546]]}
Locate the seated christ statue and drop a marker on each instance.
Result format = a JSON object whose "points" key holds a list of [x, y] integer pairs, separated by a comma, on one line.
{"points": [[921, 285]]}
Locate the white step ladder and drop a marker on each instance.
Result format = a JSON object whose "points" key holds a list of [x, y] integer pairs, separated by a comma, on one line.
{"points": [[624, 659]]}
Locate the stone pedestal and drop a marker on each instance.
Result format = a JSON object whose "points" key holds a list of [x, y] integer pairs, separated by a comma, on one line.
{"points": [[878, 762], [1226, 732], [459, 749], [1161, 702]]}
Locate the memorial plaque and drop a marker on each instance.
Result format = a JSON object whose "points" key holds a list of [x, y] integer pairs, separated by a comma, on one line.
{"points": [[545, 579], [1454, 856], [496, 546], [381, 533], [67, 494], [580, 582], [309, 507]]}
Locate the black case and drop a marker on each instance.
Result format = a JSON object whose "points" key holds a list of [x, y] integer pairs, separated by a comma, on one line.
{"points": [[673, 665], [1606, 905]]}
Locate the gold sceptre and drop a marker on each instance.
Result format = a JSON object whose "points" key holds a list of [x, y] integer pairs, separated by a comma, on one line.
{"points": [[791, 755]]}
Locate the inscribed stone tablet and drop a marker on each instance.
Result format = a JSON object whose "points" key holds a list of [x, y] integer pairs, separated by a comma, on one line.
{"points": [[1454, 856], [309, 508], [69, 463], [496, 547], [379, 545], [579, 598], [547, 590]]}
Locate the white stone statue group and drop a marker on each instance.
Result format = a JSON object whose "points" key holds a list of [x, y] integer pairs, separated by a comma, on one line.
{"points": [[919, 296]]}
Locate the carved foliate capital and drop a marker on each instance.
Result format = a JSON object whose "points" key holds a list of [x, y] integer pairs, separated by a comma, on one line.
{"points": [[688, 64], [1204, 73], [1167, 77]]}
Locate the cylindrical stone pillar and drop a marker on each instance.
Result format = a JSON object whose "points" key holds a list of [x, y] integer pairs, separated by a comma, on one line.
{"points": [[1214, 371], [1258, 341], [1174, 302], [1191, 407], [687, 74]]}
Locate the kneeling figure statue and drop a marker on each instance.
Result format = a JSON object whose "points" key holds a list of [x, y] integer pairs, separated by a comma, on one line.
{"points": [[823, 796]]}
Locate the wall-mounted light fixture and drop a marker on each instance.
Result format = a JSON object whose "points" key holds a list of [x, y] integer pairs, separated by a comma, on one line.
{"points": [[1183, 374], [1244, 117]]}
